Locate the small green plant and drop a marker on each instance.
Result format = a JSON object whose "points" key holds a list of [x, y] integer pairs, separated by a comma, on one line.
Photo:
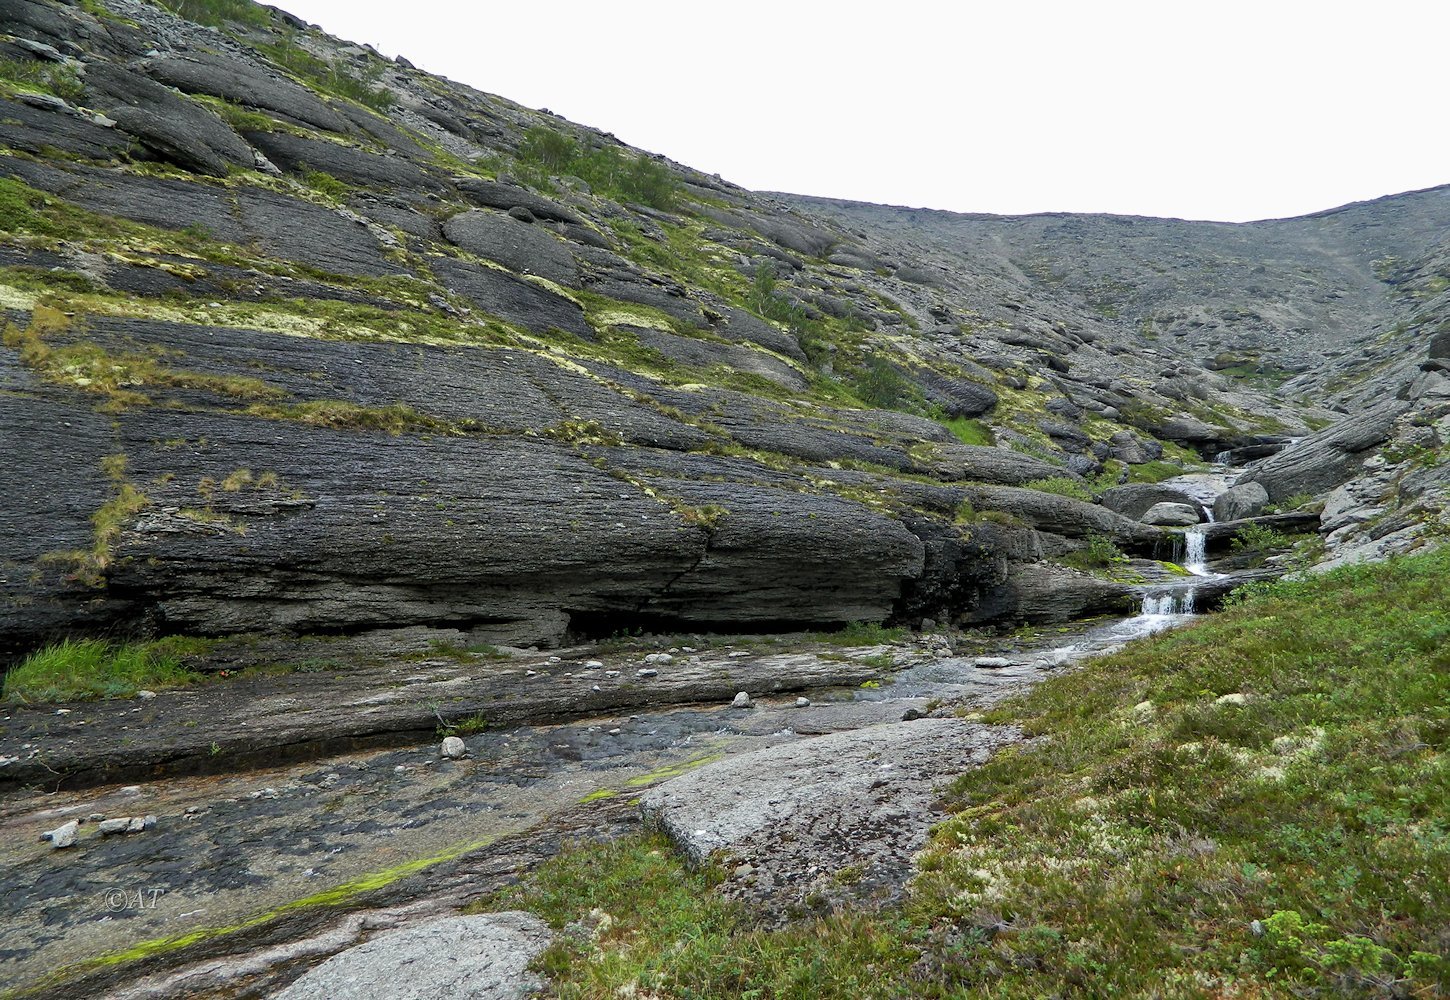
{"points": [[860, 634], [607, 169], [968, 431], [325, 183], [879, 384], [219, 13], [1257, 538], [1099, 552], [468, 726], [1063, 486], [59, 79], [1153, 472]]}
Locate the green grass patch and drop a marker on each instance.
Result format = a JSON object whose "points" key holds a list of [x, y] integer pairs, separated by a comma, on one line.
{"points": [[1133, 848], [607, 169], [969, 431], [1063, 486], [1153, 472], [859, 634], [642, 924], [79, 669]]}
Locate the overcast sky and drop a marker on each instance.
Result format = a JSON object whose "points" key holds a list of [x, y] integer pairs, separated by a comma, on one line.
{"points": [[1216, 109]]}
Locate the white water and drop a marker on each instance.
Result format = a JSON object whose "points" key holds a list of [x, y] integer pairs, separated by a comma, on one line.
{"points": [[1195, 559], [1173, 602]]}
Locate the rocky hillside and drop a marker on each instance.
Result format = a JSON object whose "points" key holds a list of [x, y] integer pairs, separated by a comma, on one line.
{"points": [[302, 339]]}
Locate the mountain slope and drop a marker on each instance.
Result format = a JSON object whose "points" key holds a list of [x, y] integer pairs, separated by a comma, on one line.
{"points": [[303, 339]]}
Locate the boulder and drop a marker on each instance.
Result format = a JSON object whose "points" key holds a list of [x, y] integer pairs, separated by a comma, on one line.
{"points": [[246, 83], [1136, 499], [1318, 464], [347, 163], [518, 246], [1063, 515], [169, 125], [493, 194], [511, 298], [486, 956], [1171, 515], [1243, 500], [1044, 593], [958, 397]]}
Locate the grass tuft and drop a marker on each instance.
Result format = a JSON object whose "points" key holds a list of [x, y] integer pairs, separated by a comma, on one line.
{"points": [[79, 669]]}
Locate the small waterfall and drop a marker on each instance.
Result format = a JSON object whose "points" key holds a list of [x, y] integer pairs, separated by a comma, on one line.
{"points": [[1195, 543], [1177, 602], [1223, 458]]}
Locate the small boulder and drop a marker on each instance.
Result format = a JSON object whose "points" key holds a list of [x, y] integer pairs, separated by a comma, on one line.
{"points": [[991, 662], [802, 703], [648, 672], [1244, 500], [1171, 515], [113, 826], [453, 748], [63, 835], [742, 700]]}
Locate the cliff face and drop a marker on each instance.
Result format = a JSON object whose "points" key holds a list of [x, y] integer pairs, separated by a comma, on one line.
{"points": [[301, 339]]}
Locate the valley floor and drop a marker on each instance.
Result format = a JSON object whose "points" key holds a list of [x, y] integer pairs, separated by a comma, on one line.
{"points": [[1253, 806], [1249, 806]]}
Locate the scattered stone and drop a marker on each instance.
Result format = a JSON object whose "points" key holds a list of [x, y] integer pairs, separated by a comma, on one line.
{"points": [[648, 672], [615, 731], [1256, 928], [114, 826], [911, 715], [63, 835], [453, 748], [991, 662], [593, 665], [145, 695], [1236, 698], [742, 700], [611, 673], [1144, 711], [802, 703], [660, 658]]}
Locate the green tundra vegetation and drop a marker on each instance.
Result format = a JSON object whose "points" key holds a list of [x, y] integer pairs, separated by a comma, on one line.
{"points": [[1253, 807]]}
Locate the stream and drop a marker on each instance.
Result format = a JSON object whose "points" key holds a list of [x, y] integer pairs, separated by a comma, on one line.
{"points": [[398, 834]]}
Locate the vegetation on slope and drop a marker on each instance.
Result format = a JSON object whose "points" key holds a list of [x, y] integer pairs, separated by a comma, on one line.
{"points": [[1250, 807]]}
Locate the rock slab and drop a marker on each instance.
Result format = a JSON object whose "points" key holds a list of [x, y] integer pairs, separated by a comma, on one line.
{"points": [[830, 818], [483, 957]]}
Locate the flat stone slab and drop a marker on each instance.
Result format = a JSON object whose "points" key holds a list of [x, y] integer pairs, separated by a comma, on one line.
{"points": [[824, 820], [484, 957]]}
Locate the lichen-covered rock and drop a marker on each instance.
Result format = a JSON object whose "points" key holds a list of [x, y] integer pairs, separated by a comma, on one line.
{"points": [[794, 819], [485, 956]]}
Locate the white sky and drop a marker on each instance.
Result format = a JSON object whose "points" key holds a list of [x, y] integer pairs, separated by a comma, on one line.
{"points": [[1215, 109]]}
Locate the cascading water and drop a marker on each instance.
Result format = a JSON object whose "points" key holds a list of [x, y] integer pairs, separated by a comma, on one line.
{"points": [[1184, 600], [1174, 602], [1195, 544]]}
